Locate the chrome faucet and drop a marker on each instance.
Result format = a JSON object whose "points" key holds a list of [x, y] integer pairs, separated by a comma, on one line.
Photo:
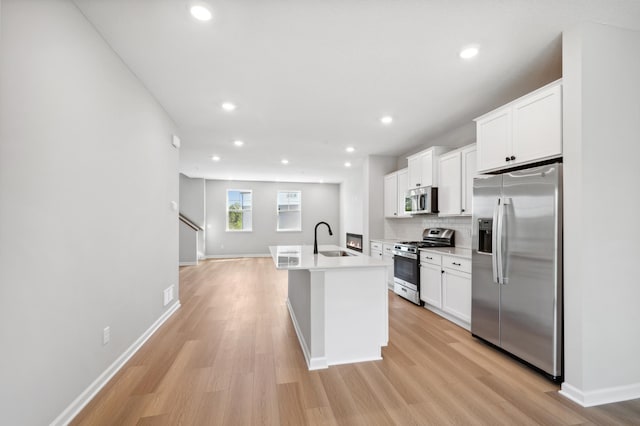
{"points": [[315, 236]]}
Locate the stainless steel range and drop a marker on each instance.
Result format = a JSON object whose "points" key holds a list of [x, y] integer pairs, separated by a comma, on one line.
{"points": [[406, 261]]}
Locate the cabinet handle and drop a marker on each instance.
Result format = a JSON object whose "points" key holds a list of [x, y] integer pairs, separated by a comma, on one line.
{"points": [[462, 210], [395, 214], [507, 159], [457, 264], [430, 258], [513, 157], [441, 271], [417, 184]]}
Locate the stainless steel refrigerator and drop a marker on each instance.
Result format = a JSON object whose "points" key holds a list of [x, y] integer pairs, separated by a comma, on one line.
{"points": [[517, 264]]}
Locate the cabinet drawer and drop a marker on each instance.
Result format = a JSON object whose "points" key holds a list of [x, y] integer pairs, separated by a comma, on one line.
{"points": [[388, 249], [375, 245], [456, 263], [428, 257]]}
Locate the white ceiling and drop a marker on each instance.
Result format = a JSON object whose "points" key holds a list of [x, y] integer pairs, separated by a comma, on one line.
{"points": [[311, 77]]}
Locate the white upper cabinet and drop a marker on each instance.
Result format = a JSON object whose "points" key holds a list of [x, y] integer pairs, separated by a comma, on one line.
{"points": [[469, 171], [450, 184], [403, 178], [395, 188], [526, 130], [456, 172], [494, 139], [391, 195], [423, 167]]}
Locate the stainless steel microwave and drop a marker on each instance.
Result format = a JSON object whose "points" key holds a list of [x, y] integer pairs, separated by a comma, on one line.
{"points": [[422, 200]]}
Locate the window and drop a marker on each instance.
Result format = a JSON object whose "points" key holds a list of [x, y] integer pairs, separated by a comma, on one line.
{"points": [[239, 210], [289, 211]]}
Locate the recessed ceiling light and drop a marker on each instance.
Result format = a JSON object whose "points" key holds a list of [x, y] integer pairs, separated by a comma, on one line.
{"points": [[469, 52], [200, 12], [228, 106], [238, 143], [387, 119], [215, 158], [347, 164], [350, 149], [284, 161]]}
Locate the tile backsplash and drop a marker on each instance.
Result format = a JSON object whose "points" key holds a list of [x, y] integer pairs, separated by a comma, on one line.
{"points": [[411, 228]]}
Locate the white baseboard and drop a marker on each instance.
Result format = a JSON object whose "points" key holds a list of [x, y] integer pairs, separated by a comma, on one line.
{"points": [[312, 363], [87, 395], [234, 256], [447, 316], [188, 263], [600, 396]]}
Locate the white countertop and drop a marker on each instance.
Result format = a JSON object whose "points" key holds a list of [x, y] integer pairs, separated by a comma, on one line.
{"points": [[450, 251], [302, 257]]}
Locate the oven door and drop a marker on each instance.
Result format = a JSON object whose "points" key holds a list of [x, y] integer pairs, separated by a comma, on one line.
{"points": [[405, 268]]}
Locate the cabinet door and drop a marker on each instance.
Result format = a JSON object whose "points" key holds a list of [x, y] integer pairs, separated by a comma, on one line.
{"points": [[387, 254], [415, 172], [426, 165], [537, 126], [391, 195], [450, 185], [430, 285], [469, 171], [376, 254], [494, 140], [456, 294], [403, 179]]}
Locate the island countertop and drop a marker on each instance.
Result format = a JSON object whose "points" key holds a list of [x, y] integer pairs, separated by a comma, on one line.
{"points": [[302, 257]]}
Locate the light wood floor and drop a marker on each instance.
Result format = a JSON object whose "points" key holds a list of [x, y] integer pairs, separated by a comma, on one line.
{"points": [[230, 356]]}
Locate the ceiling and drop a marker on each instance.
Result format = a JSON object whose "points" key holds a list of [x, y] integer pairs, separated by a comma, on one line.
{"points": [[312, 77]]}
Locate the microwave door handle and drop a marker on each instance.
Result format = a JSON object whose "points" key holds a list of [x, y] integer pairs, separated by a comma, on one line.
{"points": [[423, 203], [494, 242]]}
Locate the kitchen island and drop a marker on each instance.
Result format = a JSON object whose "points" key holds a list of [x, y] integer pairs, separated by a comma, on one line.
{"points": [[338, 303]]}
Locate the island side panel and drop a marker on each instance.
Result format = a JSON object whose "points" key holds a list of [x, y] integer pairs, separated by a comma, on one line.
{"points": [[356, 313], [306, 307], [299, 303]]}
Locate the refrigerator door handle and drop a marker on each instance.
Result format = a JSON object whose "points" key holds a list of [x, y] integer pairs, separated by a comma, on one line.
{"points": [[501, 243], [494, 242]]}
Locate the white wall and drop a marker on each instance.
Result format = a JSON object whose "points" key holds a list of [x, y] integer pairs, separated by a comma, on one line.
{"points": [[352, 204], [362, 199], [411, 228], [320, 202], [376, 167], [601, 174], [88, 240]]}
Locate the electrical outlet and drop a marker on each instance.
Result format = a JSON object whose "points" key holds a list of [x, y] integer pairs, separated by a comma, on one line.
{"points": [[106, 335], [168, 295]]}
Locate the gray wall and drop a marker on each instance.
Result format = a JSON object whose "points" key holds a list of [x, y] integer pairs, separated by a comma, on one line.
{"points": [[188, 245], [87, 235], [601, 127], [320, 202], [192, 202], [192, 205]]}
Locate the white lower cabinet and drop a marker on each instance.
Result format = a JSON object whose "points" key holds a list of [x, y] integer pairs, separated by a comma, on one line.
{"points": [[375, 249], [430, 284], [456, 294], [445, 286]]}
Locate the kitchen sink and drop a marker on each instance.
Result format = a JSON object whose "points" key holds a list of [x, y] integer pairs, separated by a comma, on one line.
{"points": [[336, 253]]}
